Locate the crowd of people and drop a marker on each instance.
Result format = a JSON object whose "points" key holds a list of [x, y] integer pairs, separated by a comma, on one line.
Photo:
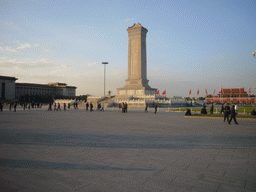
{"points": [[13, 105], [225, 110]]}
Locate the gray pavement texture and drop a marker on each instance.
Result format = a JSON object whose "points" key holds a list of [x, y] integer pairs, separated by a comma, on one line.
{"points": [[77, 150]]}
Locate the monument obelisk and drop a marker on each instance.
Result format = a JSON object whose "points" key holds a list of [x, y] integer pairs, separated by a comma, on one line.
{"points": [[137, 83]]}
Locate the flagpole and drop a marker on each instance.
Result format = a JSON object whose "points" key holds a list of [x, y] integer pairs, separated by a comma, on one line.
{"points": [[239, 94]]}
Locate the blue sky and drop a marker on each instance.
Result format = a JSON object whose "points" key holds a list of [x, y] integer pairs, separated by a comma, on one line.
{"points": [[190, 44]]}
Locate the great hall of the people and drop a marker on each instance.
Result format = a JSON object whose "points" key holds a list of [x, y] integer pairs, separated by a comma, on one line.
{"points": [[11, 91]]}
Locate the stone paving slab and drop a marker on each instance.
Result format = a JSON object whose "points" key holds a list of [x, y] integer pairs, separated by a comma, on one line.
{"points": [[76, 150]]}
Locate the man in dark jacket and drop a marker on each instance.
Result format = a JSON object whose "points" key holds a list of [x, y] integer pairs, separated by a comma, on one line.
{"points": [[15, 106], [211, 109], [233, 115], [155, 108], [87, 106], [91, 107], [226, 112]]}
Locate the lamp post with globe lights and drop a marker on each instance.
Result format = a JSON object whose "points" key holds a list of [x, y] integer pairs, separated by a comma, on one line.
{"points": [[254, 53]]}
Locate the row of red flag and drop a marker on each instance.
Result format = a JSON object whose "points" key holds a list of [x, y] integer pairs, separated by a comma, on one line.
{"points": [[158, 92], [231, 91]]}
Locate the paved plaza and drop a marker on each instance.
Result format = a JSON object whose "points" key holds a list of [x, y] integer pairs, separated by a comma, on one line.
{"points": [[78, 150]]}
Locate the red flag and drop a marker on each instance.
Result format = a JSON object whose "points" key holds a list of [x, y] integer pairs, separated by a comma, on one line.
{"points": [[249, 89], [206, 91], [231, 91], [157, 92], [189, 92], [223, 92], [164, 92], [214, 91], [240, 90], [198, 92], [220, 86]]}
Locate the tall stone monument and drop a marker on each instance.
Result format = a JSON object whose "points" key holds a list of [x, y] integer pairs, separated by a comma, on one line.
{"points": [[137, 83]]}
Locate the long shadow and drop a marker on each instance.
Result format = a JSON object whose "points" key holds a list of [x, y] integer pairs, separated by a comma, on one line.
{"points": [[37, 164], [11, 136]]}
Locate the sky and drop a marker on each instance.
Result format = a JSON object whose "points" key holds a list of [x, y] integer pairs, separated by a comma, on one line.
{"points": [[191, 44]]}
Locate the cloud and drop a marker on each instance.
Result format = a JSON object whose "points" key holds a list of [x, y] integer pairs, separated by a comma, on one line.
{"points": [[24, 64], [129, 19], [24, 46]]}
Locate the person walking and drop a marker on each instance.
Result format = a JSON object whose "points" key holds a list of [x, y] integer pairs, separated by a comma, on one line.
{"points": [[146, 108], [98, 106], [123, 110], [226, 112], [58, 107], [87, 106], [233, 115], [65, 106], [68, 105], [49, 107], [102, 107], [91, 107], [125, 107], [1, 106], [221, 109], [55, 107], [10, 106], [211, 109], [155, 108], [15, 106]]}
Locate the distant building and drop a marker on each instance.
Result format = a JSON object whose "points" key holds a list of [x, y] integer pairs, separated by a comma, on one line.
{"points": [[235, 93], [11, 90], [7, 87], [231, 95], [22, 89]]}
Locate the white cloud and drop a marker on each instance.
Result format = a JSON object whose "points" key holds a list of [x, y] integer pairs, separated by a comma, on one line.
{"points": [[24, 64], [24, 46], [129, 19]]}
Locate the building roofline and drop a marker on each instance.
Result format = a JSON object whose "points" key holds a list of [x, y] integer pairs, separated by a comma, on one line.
{"points": [[42, 85], [8, 78]]}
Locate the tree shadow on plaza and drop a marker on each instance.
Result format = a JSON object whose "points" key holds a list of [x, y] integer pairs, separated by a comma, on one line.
{"points": [[38, 164], [11, 136]]}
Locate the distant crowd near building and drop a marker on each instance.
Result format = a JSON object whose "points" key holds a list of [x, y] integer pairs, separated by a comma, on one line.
{"points": [[12, 91], [231, 95]]}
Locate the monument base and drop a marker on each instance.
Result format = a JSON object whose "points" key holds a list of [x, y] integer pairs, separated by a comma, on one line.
{"points": [[124, 92]]}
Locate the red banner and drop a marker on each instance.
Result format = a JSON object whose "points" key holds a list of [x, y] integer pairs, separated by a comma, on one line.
{"points": [[157, 92], [189, 92], [214, 91], [164, 92], [198, 92], [231, 91], [206, 91]]}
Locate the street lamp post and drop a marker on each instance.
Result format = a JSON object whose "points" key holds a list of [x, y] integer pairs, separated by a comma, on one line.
{"points": [[104, 63]]}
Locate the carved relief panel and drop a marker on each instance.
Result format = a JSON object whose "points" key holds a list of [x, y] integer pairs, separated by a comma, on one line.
{"points": [[134, 58]]}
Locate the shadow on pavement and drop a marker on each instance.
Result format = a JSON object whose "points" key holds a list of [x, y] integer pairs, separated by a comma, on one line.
{"points": [[18, 136], [37, 164]]}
